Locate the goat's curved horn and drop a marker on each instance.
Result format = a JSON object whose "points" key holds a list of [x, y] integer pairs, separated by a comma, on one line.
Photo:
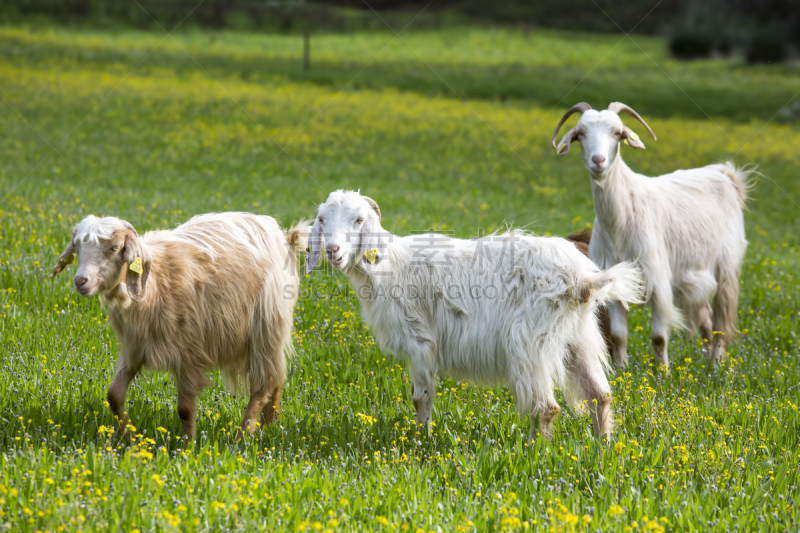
{"points": [[616, 107], [374, 205], [582, 107]]}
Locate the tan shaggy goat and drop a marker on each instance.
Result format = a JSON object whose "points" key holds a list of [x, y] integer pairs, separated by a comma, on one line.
{"points": [[216, 292]]}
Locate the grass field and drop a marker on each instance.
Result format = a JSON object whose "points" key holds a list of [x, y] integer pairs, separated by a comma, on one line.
{"points": [[225, 121]]}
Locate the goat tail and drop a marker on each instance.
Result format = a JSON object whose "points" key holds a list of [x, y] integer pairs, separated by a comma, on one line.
{"points": [[742, 179], [297, 235], [622, 282]]}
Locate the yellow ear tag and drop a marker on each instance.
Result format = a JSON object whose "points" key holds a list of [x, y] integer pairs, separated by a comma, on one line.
{"points": [[371, 255], [136, 266], [633, 136], [625, 140], [562, 148]]}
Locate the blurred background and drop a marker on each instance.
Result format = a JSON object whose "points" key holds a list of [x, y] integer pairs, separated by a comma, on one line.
{"points": [[758, 30]]}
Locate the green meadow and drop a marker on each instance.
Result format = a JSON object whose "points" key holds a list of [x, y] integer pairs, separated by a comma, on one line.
{"points": [[447, 130]]}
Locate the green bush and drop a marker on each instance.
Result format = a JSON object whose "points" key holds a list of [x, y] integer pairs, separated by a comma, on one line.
{"points": [[690, 45], [724, 45], [766, 47]]}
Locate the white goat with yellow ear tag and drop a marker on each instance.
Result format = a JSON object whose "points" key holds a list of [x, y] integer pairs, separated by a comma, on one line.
{"points": [[510, 309], [686, 229]]}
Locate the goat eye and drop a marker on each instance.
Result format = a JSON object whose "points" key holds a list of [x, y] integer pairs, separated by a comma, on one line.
{"points": [[320, 219], [360, 220]]}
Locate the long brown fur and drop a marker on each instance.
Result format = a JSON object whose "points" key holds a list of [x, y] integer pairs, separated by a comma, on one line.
{"points": [[220, 294]]}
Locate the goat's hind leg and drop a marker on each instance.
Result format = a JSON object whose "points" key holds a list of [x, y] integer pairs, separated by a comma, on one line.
{"points": [[587, 385], [618, 326], [272, 410], [190, 385], [703, 320], [726, 303], [267, 372], [691, 294], [259, 398]]}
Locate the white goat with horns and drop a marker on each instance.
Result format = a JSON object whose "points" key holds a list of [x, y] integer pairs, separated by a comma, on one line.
{"points": [[508, 308], [685, 229], [212, 293]]}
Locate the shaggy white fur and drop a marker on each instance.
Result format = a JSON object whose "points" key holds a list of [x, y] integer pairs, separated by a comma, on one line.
{"points": [[508, 308], [685, 229]]}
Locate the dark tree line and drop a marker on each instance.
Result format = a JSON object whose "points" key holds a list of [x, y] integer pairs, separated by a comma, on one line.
{"points": [[643, 16]]}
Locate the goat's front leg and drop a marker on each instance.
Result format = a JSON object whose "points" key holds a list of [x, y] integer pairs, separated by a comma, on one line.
{"points": [[618, 318], [123, 376], [187, 412], [544, 409], [546, 414], [423, 383]]}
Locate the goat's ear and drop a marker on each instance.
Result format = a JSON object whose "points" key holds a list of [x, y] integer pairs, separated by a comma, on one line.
{"points": [[139, 261], [66, 258], [314, 246], [630, 137], [569, 138], [373, 245]]}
